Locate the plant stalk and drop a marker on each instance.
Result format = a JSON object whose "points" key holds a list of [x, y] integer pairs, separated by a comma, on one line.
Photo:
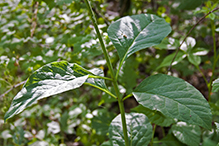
{"points": [[152, 140], [115, 84], [206, 81], [215, 61]]}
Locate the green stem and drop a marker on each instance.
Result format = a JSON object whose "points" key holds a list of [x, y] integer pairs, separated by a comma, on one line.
{"points": [[169, 68], [130, 95], [104, 90], [5, 142], [99, 77], [206, 82], [214, 40], [151, 143], [215, 60], [122, 112], [115, 84], [100, 38]]}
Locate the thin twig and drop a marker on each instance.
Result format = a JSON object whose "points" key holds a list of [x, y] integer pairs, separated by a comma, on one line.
{"points": [[188, 35], [34, 18], [15, 86]]}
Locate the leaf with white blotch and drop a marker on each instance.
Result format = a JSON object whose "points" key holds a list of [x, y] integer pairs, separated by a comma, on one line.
{"points": [[168, 43], [51, 79], [199, 51], [138, 127], [217, 126], [167, 60], [215, 85], [174, 98], [187, 134], [133, 33], [154, 116]]}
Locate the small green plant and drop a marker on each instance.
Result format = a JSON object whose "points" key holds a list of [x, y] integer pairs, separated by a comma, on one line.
{"points": [[163, 100]]}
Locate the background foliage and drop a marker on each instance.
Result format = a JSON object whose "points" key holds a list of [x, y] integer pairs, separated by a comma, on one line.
{"points": [[34, 33]]}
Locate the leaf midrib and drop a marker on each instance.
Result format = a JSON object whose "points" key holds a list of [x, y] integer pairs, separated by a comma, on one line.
{"points": [[135, 39]]}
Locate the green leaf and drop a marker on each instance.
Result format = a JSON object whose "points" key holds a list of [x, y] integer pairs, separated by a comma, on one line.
{"points": [[63, 121], [168, 43], [209, 142], [174, 98], [199, 51], [215, 85], [128, 75], [170, 140], [217, 126], [51, 79], [106, 143], [212, 16], [139, 130], [101, 121], [195, 60], [61, 2], [50, 3], [188, 134], [1, 50], [189, 4], [133, 33], [154, 116], [167, 60]]}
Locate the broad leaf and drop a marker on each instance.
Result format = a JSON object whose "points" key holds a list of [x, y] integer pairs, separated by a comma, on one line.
{"points": [[101, 121], [167, 60], [188, 134], [154, 116], [133, 33], [106, 143], [199, 51], [209, 142], [168, 43], [195, 60], [139, 130], [189, 4], [51, 4], [215, 85], [170, 140], [51, 79], [174, 98], [128, 75]]}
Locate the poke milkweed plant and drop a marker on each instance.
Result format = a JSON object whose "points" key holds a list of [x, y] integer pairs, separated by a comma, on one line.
{"points": [[163, 99]]}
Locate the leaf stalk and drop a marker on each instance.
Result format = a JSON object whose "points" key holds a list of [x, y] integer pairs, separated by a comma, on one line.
{"points": [[99, 77]]}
